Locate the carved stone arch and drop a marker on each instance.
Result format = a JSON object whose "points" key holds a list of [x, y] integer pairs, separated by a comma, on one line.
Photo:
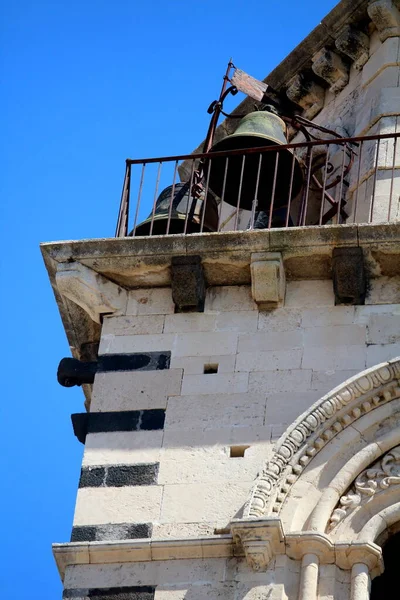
{"points": [[338, 426]]}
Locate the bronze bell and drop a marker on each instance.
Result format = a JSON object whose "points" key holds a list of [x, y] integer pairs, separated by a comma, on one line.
{"points": [[256, 130], [179, 212]]}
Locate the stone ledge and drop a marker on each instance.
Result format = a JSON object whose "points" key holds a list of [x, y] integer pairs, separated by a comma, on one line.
{"points": [[78, 553]]}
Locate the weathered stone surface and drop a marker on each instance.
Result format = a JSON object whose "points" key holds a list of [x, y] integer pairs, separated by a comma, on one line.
{"points": [[386, 17], [268, 281], [349, 277], [306, 93], [329, 66], [188, 283], [355, 44]]}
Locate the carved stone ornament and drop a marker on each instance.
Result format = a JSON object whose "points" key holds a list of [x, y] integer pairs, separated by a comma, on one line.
{"points": [[377, 478], [315, 428]]}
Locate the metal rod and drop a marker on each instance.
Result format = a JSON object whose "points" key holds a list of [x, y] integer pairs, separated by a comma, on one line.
{"points": [[307, 190], [223, 192], [341, 186], [271, 208], [279, 148], [190, 198], [392, 181], [155, 198], [217, 111], [239, 194], [205, 197], [290, 191], [122, 222], [172, 198], [255, 201], [358, 181], [323, 187], [374, 184], [139, 198]]}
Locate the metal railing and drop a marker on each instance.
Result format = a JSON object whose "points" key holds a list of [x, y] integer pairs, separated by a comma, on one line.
{"points": [[343, 180]]}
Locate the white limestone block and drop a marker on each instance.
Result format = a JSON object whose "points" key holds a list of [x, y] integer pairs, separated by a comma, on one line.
{"points": [[189, 322], [309, 293], [269, 361], [280, 381], [384, 329], [229, 298], [327, 380], [280, 319], [386, 55], [254, 436], [132, 390], [384, 290], [239, 321], [215, 411], [122, 448], [202, 344], [323, 317], [381, 353], [114, 344], [264, 341], [285, 407], [338, 357], [268, 280], [129, 325], [334, 335], [131, 504], [162, 573], [194, 365], [218, 383], [203, 502], [150, 301]]}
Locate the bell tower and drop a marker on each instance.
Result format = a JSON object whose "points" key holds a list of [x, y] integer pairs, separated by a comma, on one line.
{"points": [[237, 343]]}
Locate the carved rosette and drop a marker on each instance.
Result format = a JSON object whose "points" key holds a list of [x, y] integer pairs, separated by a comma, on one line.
{"points": [[374, 480], [315, 428]]}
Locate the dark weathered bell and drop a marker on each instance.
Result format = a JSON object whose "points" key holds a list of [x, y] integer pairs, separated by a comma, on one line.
{"points": [[184, 206], [255, 130]]}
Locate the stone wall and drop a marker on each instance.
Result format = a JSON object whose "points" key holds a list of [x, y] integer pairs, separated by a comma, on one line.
{"points": [[186, 467]]}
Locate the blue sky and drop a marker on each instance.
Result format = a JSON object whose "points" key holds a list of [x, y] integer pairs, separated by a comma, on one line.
{"points": [[85, 85]]}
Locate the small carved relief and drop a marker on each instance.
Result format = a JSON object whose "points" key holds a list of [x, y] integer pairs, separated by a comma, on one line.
{"points": [[377, 478]]}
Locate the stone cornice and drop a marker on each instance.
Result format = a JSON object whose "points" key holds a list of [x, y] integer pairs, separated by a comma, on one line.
{"points": [[84, 553]]}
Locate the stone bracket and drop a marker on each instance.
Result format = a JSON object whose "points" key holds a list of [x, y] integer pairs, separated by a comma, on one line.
{"points": [[386, 18], [188, 283], [306, 93], [329, 66], [90, 290], [355, 44], [268, 282], [349, 276], [261, 540]]}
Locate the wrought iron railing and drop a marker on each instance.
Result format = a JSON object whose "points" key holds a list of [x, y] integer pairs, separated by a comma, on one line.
{"points": [[343, 180]]}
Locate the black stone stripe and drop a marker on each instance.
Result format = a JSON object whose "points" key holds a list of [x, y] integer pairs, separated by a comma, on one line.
{"points": [[136, 361], [119, 475], [145, 592], [109, 532], [106, 422]]}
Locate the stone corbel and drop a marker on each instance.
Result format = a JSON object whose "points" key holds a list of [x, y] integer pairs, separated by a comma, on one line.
{"points": [[188, 283], [261, 540], [306, 93], [349, 275], [329, 66], [268, 282], [355, 44], [386, 17], [89, 290]]}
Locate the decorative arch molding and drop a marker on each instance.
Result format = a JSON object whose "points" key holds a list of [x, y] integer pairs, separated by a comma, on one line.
{"points": [[315, 428]]}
